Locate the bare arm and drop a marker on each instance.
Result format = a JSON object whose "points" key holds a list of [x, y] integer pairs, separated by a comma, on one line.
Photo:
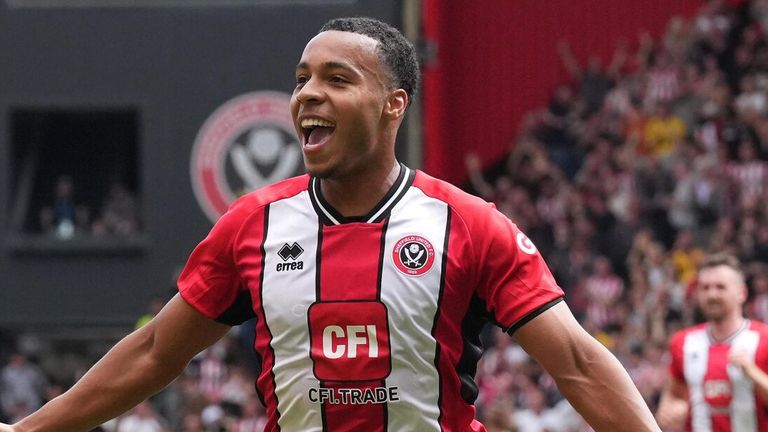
{"points": [[569, 61], [673, 405], [140, 365], [618, 61], [643, 55], [587, 374], [476, 179]]}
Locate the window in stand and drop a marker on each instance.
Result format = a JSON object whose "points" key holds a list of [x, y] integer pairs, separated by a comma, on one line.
{"points": [[74, 180]]}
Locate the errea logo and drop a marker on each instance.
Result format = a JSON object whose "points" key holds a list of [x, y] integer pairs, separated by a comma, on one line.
{"points": [[291, 253]]}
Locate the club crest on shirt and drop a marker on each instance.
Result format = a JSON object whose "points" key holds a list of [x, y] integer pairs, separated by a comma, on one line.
{"points": [[413, 255]]}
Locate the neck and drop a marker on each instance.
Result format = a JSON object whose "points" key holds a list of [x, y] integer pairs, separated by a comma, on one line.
{"points": [[725, 328], [357, 196]]}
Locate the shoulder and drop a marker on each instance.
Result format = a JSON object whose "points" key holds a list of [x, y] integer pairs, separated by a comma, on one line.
{"points": [[759, 326], [466, 205], [679, 336], [259, 198], [250, 206]]}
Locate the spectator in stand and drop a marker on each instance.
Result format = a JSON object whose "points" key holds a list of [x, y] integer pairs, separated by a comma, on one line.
{"points": [[662, 80], [685, 257], [535, 415], [480, 186], [758, 305], [237, 388], [654, 184], [752, 102], [710, 196], [663, 131], [594, 82], [498, 416], [119, 214], [142, 418], [758, 10], [155, 305], [676, 40], [760, 252], [64, 218], [748, 174], [253, 419], [741, 66], [604, 290], [213, 370], [682, 211], [22, 387], [192, 423]]}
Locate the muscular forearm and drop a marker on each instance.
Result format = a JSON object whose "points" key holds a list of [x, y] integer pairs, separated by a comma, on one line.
{"points": [[600, 389], [124, 377], [587, 373]]}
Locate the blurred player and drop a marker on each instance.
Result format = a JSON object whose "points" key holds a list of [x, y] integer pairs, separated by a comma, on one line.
{"points": [[718, 381], [369, 281]]}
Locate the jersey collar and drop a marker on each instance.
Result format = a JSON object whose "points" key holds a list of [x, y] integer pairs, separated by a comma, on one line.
{"points": [[330, 216], [729, 339]]}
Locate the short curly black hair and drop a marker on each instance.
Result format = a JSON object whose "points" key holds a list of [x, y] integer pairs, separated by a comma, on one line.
{"points": [[397, 52]]}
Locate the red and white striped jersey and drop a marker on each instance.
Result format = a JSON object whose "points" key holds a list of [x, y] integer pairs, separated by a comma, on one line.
{"points": [[749, 178], [663, 85], [369, 323], [722, 398], [603, 293]]}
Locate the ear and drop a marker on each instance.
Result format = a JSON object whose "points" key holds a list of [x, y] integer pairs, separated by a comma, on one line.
{"points": [[397, 102]]}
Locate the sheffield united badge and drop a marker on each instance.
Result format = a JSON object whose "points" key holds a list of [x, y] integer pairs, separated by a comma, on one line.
{"points": [[413, 255]]}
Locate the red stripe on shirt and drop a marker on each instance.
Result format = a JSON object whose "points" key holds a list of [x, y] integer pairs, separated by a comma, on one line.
{"points": [[352, 276]]}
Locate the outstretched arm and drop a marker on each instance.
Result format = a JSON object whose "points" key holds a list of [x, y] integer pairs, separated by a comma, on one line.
{"points": [[138, 366], [587, 374]]}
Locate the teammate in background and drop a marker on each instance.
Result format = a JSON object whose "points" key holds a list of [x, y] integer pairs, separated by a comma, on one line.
{"points": [[718, 380], [369, 281]]}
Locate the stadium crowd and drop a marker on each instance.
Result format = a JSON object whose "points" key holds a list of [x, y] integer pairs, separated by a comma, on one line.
{"points": [[631, 174]]}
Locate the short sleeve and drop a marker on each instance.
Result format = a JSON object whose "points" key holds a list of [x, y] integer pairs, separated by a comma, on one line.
{"points": [[515, 282], [210, 281], [761, 354], [676, 356]]}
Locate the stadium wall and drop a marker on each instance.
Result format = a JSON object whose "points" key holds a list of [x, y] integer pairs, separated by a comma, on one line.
{"points": [[173, 63]]}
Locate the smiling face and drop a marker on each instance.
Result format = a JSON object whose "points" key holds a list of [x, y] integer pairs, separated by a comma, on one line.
{"points": [[342, 106], [721, 293]]}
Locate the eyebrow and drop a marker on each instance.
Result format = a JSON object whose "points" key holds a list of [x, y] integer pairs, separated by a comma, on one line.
{"points": [[330, 66]]}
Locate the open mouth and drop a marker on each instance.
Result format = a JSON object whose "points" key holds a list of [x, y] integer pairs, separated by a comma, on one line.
{"points": [[316, 131]]}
